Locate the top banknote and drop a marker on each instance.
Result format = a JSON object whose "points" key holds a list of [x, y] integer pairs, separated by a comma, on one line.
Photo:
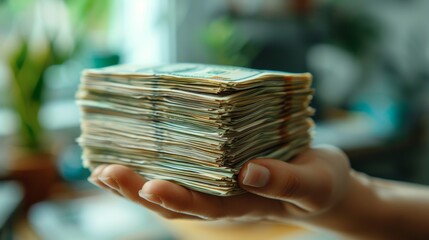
{"points": [[199, 77]]}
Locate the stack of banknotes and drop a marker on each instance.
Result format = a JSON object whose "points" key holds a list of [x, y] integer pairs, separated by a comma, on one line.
{"points": [[193, 124]]}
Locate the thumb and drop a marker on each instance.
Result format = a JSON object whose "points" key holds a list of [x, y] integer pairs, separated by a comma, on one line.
{"points": [[305, 185]]}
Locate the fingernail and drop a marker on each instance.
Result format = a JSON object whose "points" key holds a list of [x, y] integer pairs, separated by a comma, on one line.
{"points": [[93, 181], [256, 175], [150, 197], [110, 182], [98, 170]]}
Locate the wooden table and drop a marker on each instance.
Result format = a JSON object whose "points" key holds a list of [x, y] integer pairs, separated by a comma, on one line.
{"points": [[196, 230]]}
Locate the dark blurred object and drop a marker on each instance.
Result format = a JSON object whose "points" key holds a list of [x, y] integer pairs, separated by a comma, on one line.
{"points": [[37, 173], [11, 197], [391, 155]]}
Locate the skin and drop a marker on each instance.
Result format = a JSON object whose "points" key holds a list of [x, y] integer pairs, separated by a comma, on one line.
{"points": [[317, 189]]}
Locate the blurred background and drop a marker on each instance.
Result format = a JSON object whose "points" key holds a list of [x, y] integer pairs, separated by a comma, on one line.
{"points": [[370, 61]]}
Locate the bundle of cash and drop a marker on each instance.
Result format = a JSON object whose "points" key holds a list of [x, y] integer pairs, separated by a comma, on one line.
{"points": [[193, 124]]}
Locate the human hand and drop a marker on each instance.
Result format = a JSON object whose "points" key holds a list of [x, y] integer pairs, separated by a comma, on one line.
{"points": [[306, 189]]}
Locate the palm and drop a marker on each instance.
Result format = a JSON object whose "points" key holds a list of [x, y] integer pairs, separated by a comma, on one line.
{"points": [[313, 189]]}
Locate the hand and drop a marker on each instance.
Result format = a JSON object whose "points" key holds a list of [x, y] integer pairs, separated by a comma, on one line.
{"points": [[306, 189]]}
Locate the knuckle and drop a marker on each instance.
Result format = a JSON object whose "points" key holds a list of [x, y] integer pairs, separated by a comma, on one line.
{"points": [[326, 189], [290, 187]]}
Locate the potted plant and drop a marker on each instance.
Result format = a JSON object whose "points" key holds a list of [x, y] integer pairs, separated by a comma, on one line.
{"points": [[36, 42], [32, 162]]}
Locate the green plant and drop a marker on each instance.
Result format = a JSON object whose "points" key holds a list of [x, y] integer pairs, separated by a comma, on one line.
{"points": [[28, 59], [27, 87], [226, 45]]}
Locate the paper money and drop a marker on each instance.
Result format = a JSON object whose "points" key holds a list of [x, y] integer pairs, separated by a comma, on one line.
{"points": [[193, 124]]}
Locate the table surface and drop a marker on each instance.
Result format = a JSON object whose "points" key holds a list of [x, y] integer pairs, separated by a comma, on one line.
{"points": [[104, 216]]}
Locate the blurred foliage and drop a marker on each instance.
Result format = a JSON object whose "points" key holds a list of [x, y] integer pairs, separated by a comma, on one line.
{"points": [[35, 48], [87, 14], [345, 24], [351, 27], [226, 45]]}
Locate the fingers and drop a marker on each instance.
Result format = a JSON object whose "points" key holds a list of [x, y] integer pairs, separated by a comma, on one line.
{"points": [[180, 199], [173, 201], [282, 181], [122, 180], [309, 182], [97, 182]]}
